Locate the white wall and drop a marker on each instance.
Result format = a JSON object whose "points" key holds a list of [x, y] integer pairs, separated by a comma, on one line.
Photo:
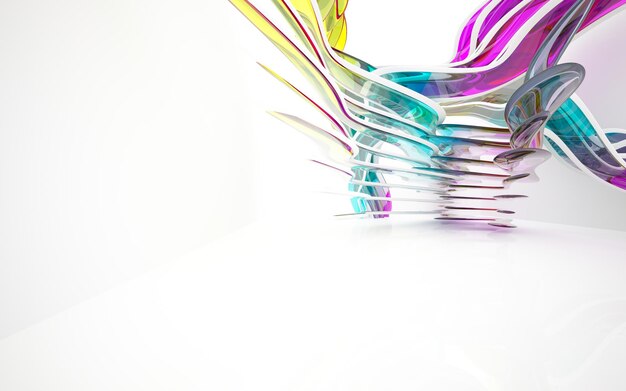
{"points": [[117, 148]]}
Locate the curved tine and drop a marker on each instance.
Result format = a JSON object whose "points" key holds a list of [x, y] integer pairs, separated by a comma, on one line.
{"points": [[565, 29]]}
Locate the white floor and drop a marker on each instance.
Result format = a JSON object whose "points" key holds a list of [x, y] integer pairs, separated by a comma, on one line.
{"points": [[349, 305]]}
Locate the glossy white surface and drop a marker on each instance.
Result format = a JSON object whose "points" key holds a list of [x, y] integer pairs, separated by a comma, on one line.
{"points": [[115, 113], [113, 116], [349, 305]]}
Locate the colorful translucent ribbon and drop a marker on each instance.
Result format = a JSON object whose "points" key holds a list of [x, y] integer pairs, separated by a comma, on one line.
{"points": [[405, 137]]}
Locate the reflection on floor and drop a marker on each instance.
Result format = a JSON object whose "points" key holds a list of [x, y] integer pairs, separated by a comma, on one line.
{"points": [[350, 305]]}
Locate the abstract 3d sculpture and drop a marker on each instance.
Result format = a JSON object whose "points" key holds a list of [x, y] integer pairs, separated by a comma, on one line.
{"points": [[450, 141]]}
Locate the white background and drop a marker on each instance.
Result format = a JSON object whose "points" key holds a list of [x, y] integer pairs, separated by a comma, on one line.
{"points": [[132, 132]]}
